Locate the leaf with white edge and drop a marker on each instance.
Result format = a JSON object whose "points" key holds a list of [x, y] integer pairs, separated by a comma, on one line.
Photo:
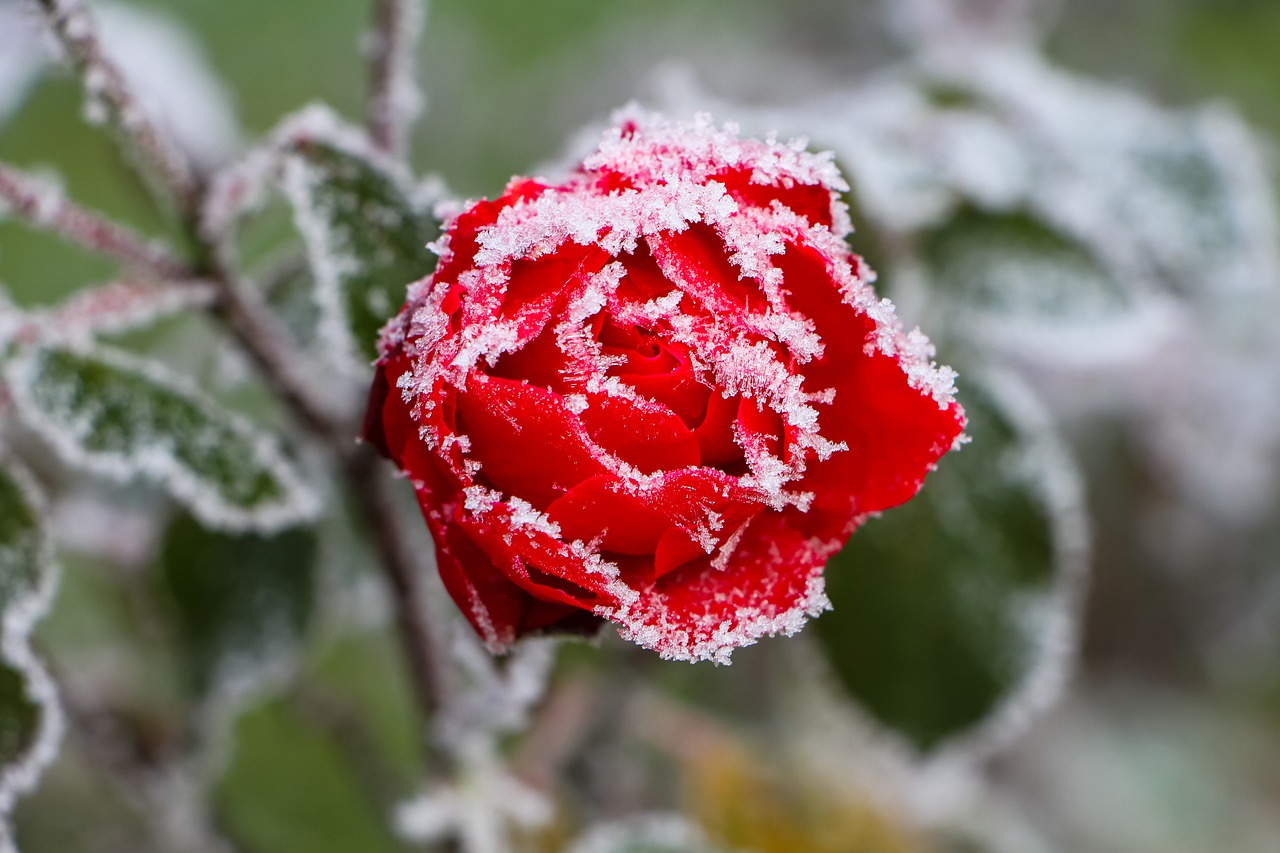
{"points": [[366, 238], [1012, 279], [657, 833], [113, 415], [1012, 266], [955, 613], [30, 716], [242, 602]]}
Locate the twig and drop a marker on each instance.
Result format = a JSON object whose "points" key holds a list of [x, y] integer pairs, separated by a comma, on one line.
{"points": [[428, 668], [45, 207], [274, 351], [393, 98], [105, 84]]}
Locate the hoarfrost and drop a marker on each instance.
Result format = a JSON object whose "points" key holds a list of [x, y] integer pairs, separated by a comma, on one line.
{"points": [[116, 307], [26, 591], [480, 809], [172, 77], [660, 833], [21, 56], [135, 419]]}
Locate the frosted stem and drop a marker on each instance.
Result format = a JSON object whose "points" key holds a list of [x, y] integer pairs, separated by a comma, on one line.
{"points": [[105, 84], [274, 351], [429, 666], [394, 101], [45, 207], [255, 327]]}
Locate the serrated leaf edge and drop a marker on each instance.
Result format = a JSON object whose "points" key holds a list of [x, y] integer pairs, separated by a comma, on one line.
{"points": [[16, 626], [299, 506]]}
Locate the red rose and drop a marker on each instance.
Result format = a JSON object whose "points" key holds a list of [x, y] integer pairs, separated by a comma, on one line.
{"points": [[658, 393]]}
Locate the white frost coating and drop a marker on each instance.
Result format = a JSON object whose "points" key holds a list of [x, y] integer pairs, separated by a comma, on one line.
{"points": [[648, 624], [480, 809], [117, 307], [1052, 622], [524, 515], [171, 76], [329, 262], [671, 151], [671, 831], [15, 642], [154, 457], [21, 56]]}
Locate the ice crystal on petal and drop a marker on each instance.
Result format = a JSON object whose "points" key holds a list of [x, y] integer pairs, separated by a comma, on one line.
{"points": [[652, 366]]}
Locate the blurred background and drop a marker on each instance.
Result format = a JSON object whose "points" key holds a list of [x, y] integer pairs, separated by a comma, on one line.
{"points": [[1070, 642]]}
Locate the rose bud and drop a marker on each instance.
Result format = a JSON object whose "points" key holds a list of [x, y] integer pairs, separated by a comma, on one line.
{"points": [[659, 392]]}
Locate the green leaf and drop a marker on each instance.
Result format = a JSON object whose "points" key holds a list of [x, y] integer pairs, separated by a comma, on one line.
{"points": [[366, 239], [119, 417], [243, 602], [1015, 268], [960, 602], [290, 788], [30, 719]]}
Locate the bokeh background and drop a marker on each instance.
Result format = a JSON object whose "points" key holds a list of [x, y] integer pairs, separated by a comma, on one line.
{"points": [[1166, 734]]}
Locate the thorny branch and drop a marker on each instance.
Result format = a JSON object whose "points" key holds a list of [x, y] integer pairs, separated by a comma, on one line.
{"points": [[240, 308], [105, 84], [45, 207], [393, 98]]}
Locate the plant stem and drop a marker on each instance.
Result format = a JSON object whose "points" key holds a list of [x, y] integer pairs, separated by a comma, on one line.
{"points": [[428, 666], [45, 207], [394, 101], [107, 89]]}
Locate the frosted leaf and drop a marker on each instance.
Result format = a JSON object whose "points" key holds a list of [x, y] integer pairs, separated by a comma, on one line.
{"points": [[242, 602], [481, 809], [118, 417], [21, 56], [1178, 198], [655, 833], [172, 78], [365, 230], [1014, 281], [30, 717], [954, 616]]}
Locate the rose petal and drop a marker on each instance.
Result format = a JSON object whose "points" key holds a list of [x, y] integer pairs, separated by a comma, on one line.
{"points": [[646, 435], [600, 508], [715, 435], [529, 444], [812, 201], [696, 260], [894, 432], [770, 584]]}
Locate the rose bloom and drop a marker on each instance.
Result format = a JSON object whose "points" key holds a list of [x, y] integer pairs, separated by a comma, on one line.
{"points": [[659, 393]]}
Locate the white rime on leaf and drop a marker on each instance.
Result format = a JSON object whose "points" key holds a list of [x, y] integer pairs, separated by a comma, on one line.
{"points": [[651, 833], [21, 55], [480, 808], [1049, 620], [365, 224], [31, 721], [119, 417], [167, 69], [1160, 201]]}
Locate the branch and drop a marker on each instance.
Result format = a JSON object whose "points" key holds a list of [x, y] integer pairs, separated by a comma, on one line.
{"points": [[43, 206], [427, 665], [394, 101], [273, 350], [105, 84]]}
